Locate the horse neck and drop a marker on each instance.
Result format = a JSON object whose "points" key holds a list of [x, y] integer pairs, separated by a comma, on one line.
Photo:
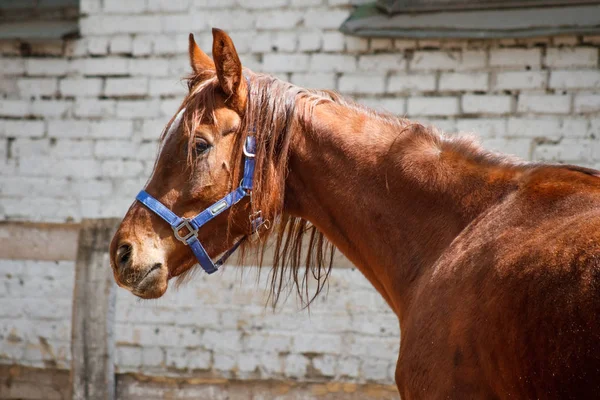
{"points": [[390, 195]]}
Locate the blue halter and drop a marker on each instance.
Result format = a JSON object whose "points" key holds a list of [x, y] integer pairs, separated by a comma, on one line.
{"points": [[186, 229]]}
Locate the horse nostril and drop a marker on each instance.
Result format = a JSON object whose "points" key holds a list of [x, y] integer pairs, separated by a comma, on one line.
{"points": [[124, 255]]}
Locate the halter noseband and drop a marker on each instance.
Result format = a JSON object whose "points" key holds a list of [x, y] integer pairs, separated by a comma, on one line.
{"points": [[192, 225]]}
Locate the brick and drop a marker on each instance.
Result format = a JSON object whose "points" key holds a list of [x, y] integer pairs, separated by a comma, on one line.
{"points": [[87, 108], [285, 62], [129, 356], [283, 41], [516, 57], [310, 41], [575, 79], [295, 366], [486, 104], [125, 87], [565, 57], [568, 150], [97, 45], [394, 105], [173, 23], [587, 103], [121, 44], [114, 149], [520, 148], [333, 41], [317, 343], [14, 108], [12, 66], [63, 167], [375, 369], [238, 19], [544, 104], [404, 44], [464, 81], [108, 66], [124, 7], [319, 80], [111, 24], [21, 128], [45, 67], [51, 108], [382, 62], [121, 168], [36, 87], [447, 60], [432, 106], [533, 127], [80, 87], [356, 44], [361, 83], [325, 18], [142, 45], [411, 83], [214, 3], [381, 44], [138, 109], [166, 87], [278, 19], [482, 127], [172, 5], [515, 80], [332, 63], [263, 5]]}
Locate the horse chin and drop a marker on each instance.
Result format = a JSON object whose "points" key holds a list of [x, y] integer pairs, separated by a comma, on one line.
{"points": [[153, 285]]}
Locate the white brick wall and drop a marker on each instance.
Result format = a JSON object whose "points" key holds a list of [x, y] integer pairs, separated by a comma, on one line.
{"points": [[79, 123], [217, 323]]}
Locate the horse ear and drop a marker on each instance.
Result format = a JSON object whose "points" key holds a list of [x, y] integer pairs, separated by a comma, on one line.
{"points": [[228, 65], [199, 61]]}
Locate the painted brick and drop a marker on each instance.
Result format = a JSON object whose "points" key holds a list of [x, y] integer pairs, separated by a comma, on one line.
{"points": [[564, 57], [482, 127], [97, 45], [51, 108], [432, 106], [106, 24], [516, 80], [138, 109], [142, 45], [278, 19], [381, 62], [356, 44], [378, 44], [361, 83], [486, 104], [325, 18], [90, 108], [332, 63], [105, 66], [173, 23], [568, 150], [166, 87], [20, 128], [544, 104], [310, 41], [333, 41], [14, 108], [520, 148], [46, 66], [124, 87], [575, 79], [533, 127], [285, 62], [12, 66], [587, 103], [516, 57], [322, 80], [411, 83], [464, 81], [121, 44], [124, 7], [121, 168], [263, 5], [447, 60], [36, 87], [80, 87]]}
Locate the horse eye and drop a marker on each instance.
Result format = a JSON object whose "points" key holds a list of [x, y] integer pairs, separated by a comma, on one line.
{"points": [[201, 146]]}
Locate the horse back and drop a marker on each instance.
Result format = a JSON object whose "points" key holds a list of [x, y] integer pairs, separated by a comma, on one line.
{"points": [[513, 306]]}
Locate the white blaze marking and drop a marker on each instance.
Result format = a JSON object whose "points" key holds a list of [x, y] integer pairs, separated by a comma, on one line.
{"points": [[172, 129]]}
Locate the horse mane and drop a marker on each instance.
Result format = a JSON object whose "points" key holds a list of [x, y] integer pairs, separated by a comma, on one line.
{"points": [[301, 253]]}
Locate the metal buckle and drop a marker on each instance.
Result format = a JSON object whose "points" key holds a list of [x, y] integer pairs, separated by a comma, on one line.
{"points": [[247, 152], [191, 231]]}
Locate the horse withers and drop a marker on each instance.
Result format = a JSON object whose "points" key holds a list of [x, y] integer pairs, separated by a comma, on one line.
{"points": [[490, 263]]}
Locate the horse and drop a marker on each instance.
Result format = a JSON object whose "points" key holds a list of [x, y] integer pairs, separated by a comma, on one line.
{"points": [[491, 264]]}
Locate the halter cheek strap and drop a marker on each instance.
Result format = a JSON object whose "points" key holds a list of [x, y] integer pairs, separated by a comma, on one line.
{"points": [[186, 229]]}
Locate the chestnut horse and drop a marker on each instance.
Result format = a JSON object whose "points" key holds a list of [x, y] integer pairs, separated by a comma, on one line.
{"points": [[491, 264]]}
